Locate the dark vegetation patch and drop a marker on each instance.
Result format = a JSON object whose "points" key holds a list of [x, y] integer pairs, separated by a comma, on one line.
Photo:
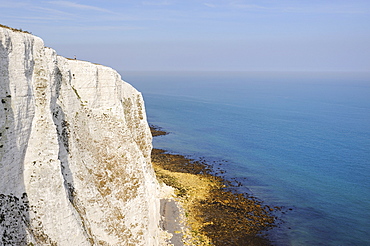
{"points": [[13, 218]]}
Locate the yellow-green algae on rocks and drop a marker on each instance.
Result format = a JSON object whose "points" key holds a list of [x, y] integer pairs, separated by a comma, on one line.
{"points": [[215, 214]]}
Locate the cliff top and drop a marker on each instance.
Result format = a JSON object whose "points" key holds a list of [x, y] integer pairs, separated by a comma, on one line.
{"points": [[23, 31], [14, 29]]}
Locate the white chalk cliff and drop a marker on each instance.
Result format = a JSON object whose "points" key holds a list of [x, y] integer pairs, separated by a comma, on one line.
{"points": [[74, 152]]}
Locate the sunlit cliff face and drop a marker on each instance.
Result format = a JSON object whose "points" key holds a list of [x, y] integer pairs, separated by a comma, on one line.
{"points": [[74, 151]]}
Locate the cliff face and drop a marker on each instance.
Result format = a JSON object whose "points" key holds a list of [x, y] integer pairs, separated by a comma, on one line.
{"points": [[74, 152]]}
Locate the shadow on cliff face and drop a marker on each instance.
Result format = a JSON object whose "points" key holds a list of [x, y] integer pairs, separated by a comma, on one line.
{"points": [[62, 128], [14, 208], [63, 131]]}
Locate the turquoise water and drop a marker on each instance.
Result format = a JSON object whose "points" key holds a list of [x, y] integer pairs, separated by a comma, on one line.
{"points": [[301, 141]]}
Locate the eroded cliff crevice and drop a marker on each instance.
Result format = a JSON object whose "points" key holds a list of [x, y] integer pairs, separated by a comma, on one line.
{"points": [[74, 151]]}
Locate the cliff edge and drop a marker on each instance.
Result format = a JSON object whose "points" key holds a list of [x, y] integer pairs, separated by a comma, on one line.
{"points": [[74, 151]]}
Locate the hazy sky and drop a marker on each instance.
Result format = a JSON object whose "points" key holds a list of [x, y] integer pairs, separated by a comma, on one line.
{"points": [[323, 35]]}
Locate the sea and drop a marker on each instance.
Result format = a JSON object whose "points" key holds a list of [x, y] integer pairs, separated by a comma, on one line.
{"points": [[298, 140]]}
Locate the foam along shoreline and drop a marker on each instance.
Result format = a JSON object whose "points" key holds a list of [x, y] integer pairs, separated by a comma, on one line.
{"points": [[213, 214]]}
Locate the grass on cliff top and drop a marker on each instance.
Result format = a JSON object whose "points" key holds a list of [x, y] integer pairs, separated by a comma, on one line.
{"points": [[215, 214], [14, 29]]}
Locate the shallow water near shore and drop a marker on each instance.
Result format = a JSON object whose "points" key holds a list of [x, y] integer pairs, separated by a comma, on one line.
{"points": [[296, 140]]}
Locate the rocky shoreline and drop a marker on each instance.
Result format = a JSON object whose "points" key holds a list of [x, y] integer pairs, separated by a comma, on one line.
{"points": [[214, 214]]}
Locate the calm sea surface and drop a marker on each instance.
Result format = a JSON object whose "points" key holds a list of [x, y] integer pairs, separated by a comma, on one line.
{"points": [[301, 141]]}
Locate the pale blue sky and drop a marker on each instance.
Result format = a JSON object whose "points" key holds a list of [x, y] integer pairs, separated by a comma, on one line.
{"points": [[270, 35]]}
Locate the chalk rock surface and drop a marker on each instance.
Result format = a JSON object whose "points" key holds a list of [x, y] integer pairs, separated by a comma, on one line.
{"points": [[74, 151]]}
